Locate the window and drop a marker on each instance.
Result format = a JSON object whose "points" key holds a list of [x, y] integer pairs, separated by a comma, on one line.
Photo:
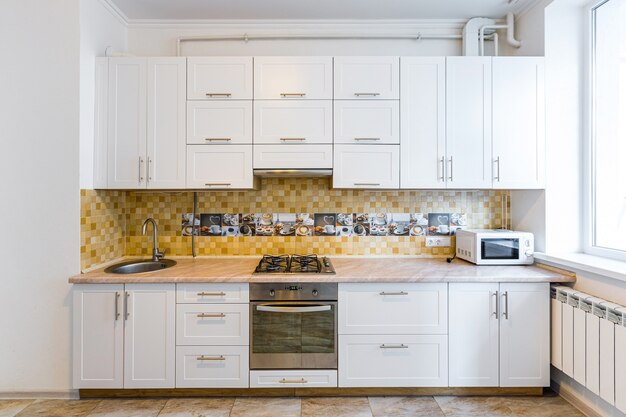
{"points": [[608, 130]]}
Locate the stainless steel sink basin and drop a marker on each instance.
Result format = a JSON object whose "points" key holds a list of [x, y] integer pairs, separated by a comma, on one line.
{"points": [[135, 267]]}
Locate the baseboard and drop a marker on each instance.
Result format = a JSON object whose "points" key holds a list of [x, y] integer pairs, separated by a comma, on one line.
{"points": [[45, 394], [572, 397]]}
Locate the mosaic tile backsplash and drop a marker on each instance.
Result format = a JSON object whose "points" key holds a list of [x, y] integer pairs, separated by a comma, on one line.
{"points": [[393, 222]]}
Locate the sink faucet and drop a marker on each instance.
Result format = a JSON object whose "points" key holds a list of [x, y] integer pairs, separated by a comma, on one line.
{"points": [[156, 255]]}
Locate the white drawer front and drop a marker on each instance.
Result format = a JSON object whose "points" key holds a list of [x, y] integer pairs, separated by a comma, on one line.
{"points": [[366, 166], [289, 77], [371, 77], [393, 361], [393, 308], [219, 166], [212, 367], [293, 156], [293, 379], [219, 122], [212, 324], [293, 122], [367, 122], [212, 293], [219, 78]]}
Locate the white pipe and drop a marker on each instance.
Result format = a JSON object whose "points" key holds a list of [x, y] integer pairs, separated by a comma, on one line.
{"points": [[510, 32], [495, 43], [481, 35], [246, 38]]}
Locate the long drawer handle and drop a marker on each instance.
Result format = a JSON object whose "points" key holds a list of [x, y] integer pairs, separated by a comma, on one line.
{"points": [[218, 94], [211, 294], [506, 305], [293, 139], [366, 184], [126, 312], [211, 358], [398, 346], [497, 298], [217, 184], [293, 381], [361, 139], [367, 94], [292, 94], [204, 315], [394, 293], [218, 139], [117, 312]]}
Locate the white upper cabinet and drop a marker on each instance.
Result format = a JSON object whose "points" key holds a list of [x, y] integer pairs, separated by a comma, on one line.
{"points": [[127, 123], [293, 156], [219, 166], [293, 77], [219, 122], [293, 122], [468, 122], [371, 77], [518, 122], [423, 127], [366, 166], [367, 121], [219, 78]]}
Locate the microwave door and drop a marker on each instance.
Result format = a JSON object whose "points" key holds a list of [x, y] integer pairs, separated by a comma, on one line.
{"points": [[499, 249]]}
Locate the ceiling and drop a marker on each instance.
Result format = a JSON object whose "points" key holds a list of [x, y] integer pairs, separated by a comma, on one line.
{"points": [[315, 9]]}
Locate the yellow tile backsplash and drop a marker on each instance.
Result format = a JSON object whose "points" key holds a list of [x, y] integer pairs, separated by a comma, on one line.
{"points": [[111, 220]]}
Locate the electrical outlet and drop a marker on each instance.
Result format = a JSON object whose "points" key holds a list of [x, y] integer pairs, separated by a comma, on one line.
{"points": [[437, 241]]}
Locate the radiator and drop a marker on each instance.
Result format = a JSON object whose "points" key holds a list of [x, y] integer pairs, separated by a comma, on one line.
{"points": [[589, 343]]}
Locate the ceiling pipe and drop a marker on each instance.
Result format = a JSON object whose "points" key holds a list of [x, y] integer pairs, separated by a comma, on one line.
{"points": [[510, 32]]}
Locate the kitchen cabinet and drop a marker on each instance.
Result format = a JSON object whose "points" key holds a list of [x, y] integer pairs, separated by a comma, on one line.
{"points": [[500, 335], [212, 367], [369, 77], [468, 122], [219, 122], [293, 122], [301, 378], [518, 123], [423, 127], [293, 77], [366, 166], [209, 293], [293, 156], [219, 166], [146, 123], [219, 78], [212, 324], [367, 122]]}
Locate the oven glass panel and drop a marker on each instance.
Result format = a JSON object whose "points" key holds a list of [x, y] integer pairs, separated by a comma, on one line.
{"points": [[499, 248], [282, 332]]}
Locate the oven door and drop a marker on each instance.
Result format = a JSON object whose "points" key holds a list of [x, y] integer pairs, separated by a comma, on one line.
{"points": [[293, 335]]}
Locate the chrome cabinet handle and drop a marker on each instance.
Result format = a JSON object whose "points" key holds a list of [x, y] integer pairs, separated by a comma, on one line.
{"points": [[451, 177], [218, 94], [506, 305], [497, 162], [117, 312], [148, 169], [293, 381], [218, 139], [126, 312], [394, 293], [367, 94], [442, 161], [292, 139], [360, 139], [210, 358], [140, 170], [398, 346], [217, 294], [205, 315], [217, 184], [365, 184], [284, 95], [495, 313], [285, 309]]}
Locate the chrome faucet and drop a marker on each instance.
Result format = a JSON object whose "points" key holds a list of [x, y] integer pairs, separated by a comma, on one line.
{"points": [[156, 255]]}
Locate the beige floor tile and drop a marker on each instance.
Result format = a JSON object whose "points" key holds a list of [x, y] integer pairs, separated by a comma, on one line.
{"points": [[266, 407], [473, 406], [405, 407], [128, 408], [336, 407], [547, 406], [9, 408], [197, 407], [59, 408]]}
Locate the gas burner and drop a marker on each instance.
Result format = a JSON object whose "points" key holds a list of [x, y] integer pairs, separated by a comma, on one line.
{"points": [[273, 263], [294, 264], [305, 263]]}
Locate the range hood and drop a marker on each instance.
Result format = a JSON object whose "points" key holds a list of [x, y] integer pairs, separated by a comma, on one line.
{"points": [[274, 173]]}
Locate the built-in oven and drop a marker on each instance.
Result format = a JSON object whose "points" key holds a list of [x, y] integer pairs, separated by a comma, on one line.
{"points": [[293, 326]]}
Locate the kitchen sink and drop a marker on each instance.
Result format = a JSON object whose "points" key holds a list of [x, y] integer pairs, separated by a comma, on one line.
{"points": [[135, 267]]}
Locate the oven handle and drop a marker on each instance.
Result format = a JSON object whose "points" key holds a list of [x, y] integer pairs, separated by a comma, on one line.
{"points": [[284, 309]]}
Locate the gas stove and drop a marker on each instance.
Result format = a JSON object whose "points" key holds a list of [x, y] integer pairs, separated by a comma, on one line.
{"points": [[294, 264]]}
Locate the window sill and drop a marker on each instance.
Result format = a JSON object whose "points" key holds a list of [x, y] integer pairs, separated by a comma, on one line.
{"points": [[587, 263]]}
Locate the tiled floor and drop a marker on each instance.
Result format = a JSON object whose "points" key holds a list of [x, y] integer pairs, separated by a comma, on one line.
{"points": [[549, 405]]}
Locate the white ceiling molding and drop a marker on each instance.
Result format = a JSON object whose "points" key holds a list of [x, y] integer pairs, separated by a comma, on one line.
{"points": [[521, 8], [115, 11]]}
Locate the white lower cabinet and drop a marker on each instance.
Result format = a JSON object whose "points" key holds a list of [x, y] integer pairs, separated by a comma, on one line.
{"points": [[212, 367], [366, 166], [219, 166], [393, 361], [301, 378], [212, 324]]}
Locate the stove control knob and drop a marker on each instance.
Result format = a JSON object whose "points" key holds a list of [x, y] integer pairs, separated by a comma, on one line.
{"points": [[316, 293], [272, 293]]}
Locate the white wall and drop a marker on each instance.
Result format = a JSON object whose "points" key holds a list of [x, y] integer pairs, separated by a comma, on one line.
{"points": [[99, 28], [39, 213]]}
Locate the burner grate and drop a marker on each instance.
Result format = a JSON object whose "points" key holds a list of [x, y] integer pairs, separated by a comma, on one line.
{"points": [[294, 264]]}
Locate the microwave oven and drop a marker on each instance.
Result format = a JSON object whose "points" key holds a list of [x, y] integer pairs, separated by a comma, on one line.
{"points": [[495, 247]]}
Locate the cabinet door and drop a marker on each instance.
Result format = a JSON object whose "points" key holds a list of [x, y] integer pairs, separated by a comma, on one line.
{"points": [[393, 361], [212, 367], [219, 122], [518, 122], [293, 77], [219, 166], [473, 335], [468, 122], [101, 101], [423, 122], [301, 122], [366, 166], [98, 336], [293, 156], [127, 123], [166, 123], [367, 77], [212, 324], [524, 335], [219, 78], [366, 122], [150, 337]]}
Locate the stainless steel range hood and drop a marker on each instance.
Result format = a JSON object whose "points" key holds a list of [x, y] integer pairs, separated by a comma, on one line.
{"points": [[274, 173]]}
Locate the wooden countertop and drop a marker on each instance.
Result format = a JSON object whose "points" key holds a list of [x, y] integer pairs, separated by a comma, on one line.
{"points": [[349, 269]]}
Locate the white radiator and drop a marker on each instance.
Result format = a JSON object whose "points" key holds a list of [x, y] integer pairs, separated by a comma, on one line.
{"points": [[589, 343]]}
